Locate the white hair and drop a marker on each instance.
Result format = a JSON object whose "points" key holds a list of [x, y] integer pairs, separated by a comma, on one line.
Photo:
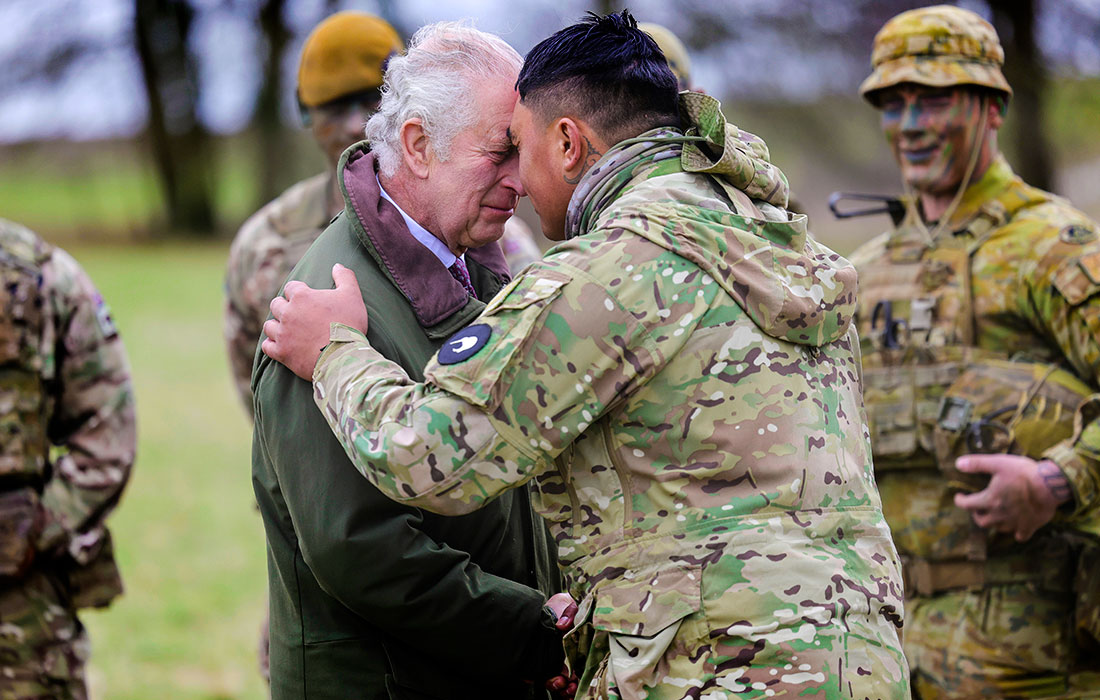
{"points": [[434, 82]]}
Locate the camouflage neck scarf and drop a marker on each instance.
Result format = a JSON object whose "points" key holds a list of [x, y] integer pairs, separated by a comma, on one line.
{"points": [[614, 171], [743, 161]]}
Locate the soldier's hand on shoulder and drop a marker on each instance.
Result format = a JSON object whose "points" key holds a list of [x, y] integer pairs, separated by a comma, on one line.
{"points": [[299, 327], [1022, 495]]}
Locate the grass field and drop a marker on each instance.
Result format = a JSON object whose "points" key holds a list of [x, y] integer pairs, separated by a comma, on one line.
{"points": [[190, 543]]}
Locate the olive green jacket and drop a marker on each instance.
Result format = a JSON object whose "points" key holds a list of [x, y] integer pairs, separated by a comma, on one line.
{"points": [[371, 599]]}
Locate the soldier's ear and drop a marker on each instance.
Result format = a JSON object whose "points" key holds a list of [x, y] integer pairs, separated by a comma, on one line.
{"points": [[415, 147]]}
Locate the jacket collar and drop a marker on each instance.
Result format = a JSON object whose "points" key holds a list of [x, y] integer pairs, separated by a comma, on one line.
{"points": [[432, 292]]}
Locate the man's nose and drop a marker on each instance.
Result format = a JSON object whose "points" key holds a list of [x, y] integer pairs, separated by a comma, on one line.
{"points": [[510, 175], [911, 115]]}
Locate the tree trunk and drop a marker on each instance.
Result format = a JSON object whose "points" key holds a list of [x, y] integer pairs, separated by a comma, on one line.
{"points": [[269, 104], [1015, 21], [180, 145]]}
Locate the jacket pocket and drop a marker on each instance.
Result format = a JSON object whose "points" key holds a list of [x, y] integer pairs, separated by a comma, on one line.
{"points": [[642, 615]]}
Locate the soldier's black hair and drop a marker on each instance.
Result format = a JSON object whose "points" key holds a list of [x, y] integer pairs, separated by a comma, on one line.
{"points": [[605, 71]]}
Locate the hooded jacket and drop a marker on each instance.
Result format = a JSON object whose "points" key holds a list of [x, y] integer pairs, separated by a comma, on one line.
{"points": [[680, 381], [371, 599]]}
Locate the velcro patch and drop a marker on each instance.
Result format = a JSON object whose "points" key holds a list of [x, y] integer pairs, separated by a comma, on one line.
{"points": [[1077, 234], [464, 344]]}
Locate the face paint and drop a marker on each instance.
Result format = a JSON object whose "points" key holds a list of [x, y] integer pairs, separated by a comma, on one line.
{"points": [[932, 132]]}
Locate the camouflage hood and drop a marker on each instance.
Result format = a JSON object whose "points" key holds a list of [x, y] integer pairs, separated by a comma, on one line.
{"points": [[712, 196]]}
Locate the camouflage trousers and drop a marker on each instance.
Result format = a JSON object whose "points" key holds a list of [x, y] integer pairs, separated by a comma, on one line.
{"points": [[690, 659], [43, 647], [1005, 641]]}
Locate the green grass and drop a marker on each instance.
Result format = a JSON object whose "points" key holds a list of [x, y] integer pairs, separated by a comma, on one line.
{"points": [[189, 540]]}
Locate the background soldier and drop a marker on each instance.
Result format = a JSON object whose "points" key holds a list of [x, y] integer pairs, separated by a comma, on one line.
{"points": [[983, 270], [678, 381], [65, 455], [339, 77]]}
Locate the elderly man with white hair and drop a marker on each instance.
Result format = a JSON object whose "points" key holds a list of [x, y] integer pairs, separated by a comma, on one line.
{"points": [[371, 599]]}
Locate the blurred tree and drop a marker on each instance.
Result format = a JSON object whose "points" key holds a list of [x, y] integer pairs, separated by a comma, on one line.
{"points": [[1024, 69], [267, 115], [180, 143]]}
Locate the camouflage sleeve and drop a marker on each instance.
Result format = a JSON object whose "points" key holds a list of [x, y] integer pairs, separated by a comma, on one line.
{"points": [[504, 397], [91, 430], [254, 274], [1065, 297]]}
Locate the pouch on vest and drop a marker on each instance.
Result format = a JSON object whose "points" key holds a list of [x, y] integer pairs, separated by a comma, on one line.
{"points": [[903, 404], [1004, 407], [1087, 613], [93, 576], [21, 520]]}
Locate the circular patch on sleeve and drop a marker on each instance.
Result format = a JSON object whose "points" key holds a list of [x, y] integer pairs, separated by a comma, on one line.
{"points": [[1077, 234], [464, 344]]}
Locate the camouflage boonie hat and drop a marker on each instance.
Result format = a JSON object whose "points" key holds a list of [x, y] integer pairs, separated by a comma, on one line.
{"points": [[938, 46]]}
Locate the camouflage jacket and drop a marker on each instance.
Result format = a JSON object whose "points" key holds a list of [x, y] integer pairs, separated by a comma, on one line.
{"points": [[68, 415], [269, 244], [1034, 293], [680, 382]]}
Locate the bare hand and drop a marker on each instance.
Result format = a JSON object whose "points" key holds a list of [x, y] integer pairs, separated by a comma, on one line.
{"points": [[564, 609], [299, 327], [563, 685], [1022, 495]]}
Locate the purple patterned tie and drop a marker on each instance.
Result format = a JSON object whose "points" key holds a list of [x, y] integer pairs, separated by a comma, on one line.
{"points": [[459, 272]]}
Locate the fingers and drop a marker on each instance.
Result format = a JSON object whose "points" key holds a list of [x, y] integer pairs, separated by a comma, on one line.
{"points": [[985, 464], [271, 329], [278, 306], [293, 287], [980, 501], [344, 277], [271, 349]]}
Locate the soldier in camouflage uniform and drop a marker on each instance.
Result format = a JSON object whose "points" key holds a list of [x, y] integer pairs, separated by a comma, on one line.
{"points": [[979, 320], [65, 455], [678, 380]]}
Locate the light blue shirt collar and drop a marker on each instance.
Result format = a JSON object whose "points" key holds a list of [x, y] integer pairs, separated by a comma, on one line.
{"points": [[421, 234]]}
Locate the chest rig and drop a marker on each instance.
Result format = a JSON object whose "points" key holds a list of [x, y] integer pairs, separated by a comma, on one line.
{"points": [[23, 404], [917, 332]]}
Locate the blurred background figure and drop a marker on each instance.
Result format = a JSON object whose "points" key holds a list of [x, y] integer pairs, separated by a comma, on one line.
{"points": [[66, 449], [339, 77], [675, 53]]}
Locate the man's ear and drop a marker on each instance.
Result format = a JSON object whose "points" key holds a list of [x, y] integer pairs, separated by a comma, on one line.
{"points": [[573, 147], [997, 108], [415, 147]]}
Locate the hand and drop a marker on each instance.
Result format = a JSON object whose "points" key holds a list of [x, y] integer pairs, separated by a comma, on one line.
{"points": [[564, 608], [1022, 495], [562, 686], [299, 329]]}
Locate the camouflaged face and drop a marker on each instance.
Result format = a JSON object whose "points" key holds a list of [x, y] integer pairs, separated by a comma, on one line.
{"points": [[680, 385], [936, 46]]}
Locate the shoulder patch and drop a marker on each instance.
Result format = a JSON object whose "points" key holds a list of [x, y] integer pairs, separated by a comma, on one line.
{"points": [[103, 318], [1077, 234], [464, 344]]}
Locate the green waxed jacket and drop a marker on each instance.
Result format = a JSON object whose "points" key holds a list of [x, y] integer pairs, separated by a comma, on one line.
{"points": [[371, 599]]}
